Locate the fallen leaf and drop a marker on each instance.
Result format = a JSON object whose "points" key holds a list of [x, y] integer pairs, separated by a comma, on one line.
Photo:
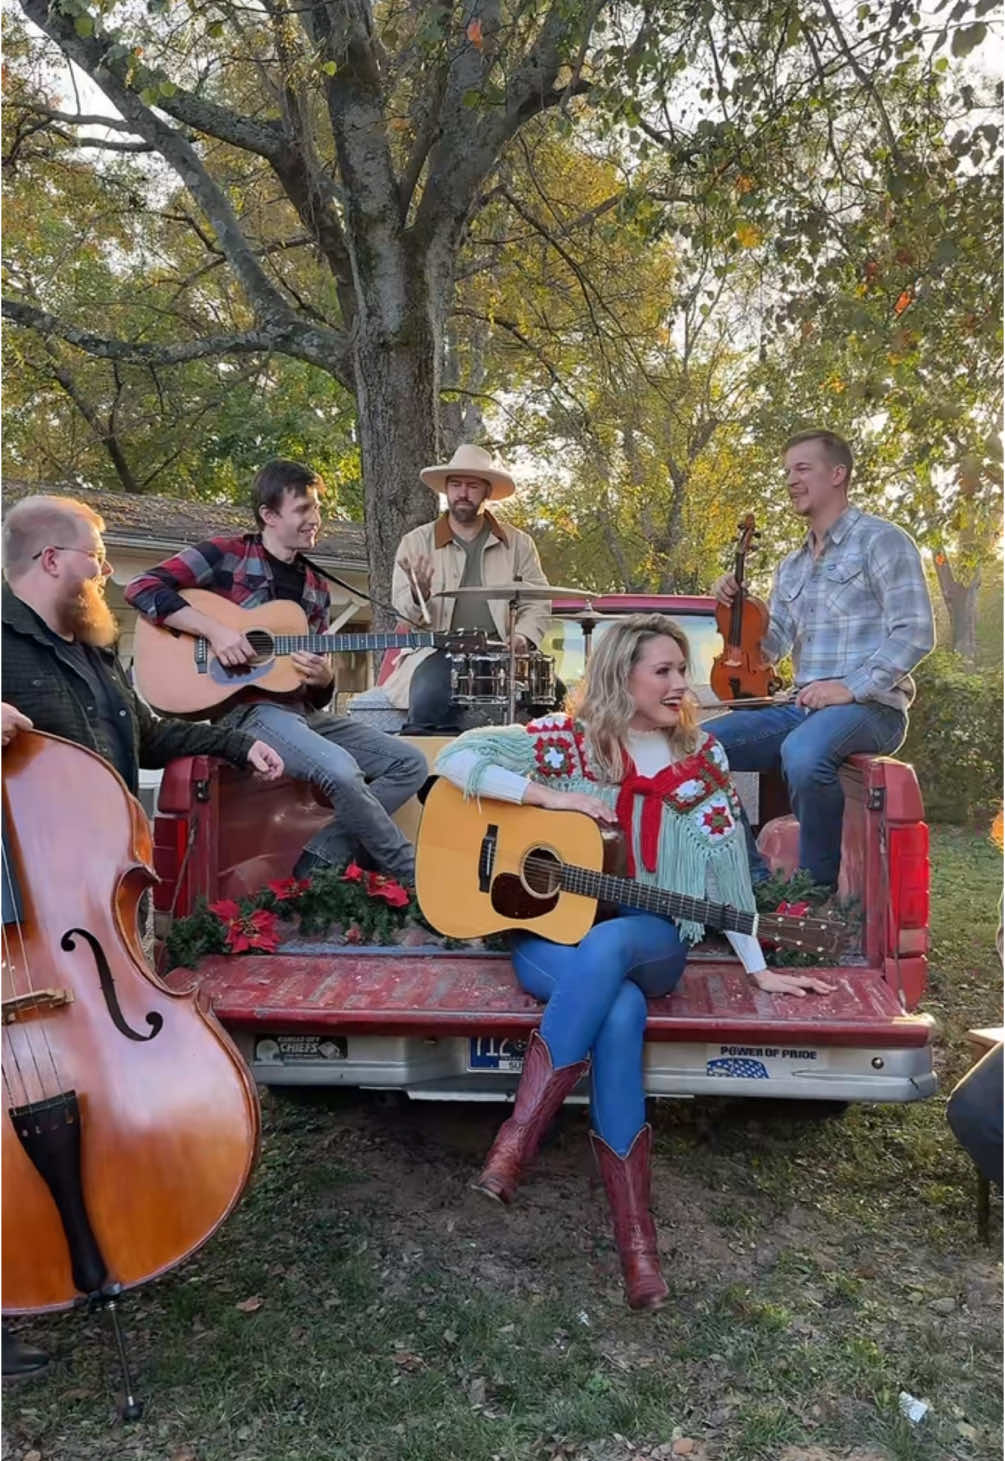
{"points": [[250, 1306]]}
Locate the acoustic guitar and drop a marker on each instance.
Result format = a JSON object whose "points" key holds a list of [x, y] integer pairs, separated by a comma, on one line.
{"points": [[178, 673], [483, 866]]}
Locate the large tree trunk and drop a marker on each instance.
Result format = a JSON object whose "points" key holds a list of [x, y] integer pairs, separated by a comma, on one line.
{"points": [[397, 355], [960, 600]]}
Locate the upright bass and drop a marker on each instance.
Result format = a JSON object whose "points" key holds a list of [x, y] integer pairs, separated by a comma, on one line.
{"points": [[131, 1124], [742, 671]]}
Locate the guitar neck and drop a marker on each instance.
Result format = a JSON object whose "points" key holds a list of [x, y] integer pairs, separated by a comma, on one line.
{"points": [[347, 643], [608, 889]]}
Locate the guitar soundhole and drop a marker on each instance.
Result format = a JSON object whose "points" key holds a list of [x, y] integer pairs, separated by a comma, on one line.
{"points": [[540, 872], [261, 642]]}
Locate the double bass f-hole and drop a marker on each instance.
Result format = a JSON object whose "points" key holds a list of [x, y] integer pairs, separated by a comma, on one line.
{"points": [[154, 1020]]}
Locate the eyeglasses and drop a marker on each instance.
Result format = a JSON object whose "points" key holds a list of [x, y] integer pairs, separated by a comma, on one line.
{"points": [[99, 558]]}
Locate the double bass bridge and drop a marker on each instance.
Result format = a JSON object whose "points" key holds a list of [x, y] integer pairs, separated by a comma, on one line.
{"points": [[18, 1005]]}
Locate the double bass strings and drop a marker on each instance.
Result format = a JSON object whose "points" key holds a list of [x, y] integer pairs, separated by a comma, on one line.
{"points": [[12, 904]]}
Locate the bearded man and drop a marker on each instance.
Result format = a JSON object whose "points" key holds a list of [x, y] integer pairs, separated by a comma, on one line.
{"points": [[60, 673]]}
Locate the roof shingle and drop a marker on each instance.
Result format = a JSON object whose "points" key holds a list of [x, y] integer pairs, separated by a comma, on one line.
{"points": [[172, 522]]}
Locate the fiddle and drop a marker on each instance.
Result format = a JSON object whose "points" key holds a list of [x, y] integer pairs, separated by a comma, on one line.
{"points": [[741, 671], [131, 1123]]}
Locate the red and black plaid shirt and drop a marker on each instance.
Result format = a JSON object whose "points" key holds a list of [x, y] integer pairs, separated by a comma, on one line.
{"points": [[237, 568]]}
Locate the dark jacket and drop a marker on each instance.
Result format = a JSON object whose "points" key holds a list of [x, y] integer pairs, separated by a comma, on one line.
{"points": [[54, 695]]}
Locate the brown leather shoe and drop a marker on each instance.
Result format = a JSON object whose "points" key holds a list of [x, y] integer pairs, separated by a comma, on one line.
{"points": [[21, 1360], [627, 1181], [539, 1097]]}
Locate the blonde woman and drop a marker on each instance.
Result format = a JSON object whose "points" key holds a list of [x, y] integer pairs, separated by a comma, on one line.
{"points": [[634, 755]]}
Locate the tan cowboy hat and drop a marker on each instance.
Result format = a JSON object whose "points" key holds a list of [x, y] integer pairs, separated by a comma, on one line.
{"points": [[471, 461]]}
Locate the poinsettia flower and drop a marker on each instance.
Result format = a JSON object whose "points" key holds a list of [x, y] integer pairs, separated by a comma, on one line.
{"points": [[353, 873], [259, 930], [283, 888], [379, 885], [794, 910], [389, 890], [226, 909], [354, 934]]}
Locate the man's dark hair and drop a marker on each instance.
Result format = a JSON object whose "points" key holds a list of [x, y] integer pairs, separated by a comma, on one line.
{"points": [[277, 478], [835, 446]]}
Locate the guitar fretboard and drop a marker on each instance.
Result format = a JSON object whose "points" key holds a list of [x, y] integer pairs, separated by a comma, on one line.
{"points": [[345, 643], [609, 889]]}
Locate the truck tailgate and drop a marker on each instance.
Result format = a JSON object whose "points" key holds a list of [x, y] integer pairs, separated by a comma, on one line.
{"points": [[437, 992]]}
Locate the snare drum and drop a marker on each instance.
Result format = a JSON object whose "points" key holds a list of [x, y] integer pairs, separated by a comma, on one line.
{"points": [[483, 679], [535, 679], [479, 679]]}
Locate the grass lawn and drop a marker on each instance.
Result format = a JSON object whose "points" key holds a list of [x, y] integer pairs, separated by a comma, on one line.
{"points": [[363, 1306]]}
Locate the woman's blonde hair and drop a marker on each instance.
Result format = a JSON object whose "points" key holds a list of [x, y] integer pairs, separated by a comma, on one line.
{"points": [[604, 702]]}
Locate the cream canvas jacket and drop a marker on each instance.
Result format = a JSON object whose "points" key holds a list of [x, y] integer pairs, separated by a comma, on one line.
{"points": [[508, 553]]}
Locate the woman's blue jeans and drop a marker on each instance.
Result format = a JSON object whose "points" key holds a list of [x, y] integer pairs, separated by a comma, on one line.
{"points": [[596, 994]]}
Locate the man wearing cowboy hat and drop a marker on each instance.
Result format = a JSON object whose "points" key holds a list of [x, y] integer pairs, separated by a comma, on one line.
{"points": [[466, 546]]}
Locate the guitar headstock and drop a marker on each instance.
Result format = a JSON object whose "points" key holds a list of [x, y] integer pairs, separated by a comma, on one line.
{"points": [[462, 641], [812, 935]]}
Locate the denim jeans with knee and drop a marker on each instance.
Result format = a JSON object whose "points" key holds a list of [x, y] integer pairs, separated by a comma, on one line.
{"points": [[339, 756], [810, 745], [596, 994]]}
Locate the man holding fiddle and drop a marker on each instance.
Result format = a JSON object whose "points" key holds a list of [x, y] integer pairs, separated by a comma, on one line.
{"points": [[852, 606], [466, 547]]}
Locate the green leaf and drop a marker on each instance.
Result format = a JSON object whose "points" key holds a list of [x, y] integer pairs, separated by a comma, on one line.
{"points": [[967, 37], [84, 25], [329, 68]]}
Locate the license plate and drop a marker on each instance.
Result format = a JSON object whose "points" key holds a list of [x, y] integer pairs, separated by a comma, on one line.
{"points": [[495, 1052], [763, 1062]]}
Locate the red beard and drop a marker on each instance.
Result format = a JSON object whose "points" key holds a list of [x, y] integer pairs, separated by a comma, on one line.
{"points": [[89, 617]]}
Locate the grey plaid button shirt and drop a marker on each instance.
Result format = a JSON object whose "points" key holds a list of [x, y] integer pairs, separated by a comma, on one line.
{"points": [[859, 613]]}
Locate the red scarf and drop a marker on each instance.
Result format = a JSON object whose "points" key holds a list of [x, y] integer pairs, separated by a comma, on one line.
{"points": [[654, 789]]}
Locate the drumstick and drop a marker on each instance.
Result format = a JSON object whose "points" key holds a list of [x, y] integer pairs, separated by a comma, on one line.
{"points": [[417, 591]]}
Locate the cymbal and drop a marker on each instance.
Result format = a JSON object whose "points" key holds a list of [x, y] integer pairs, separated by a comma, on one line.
{"points": [[526, 591], [586, 616]]}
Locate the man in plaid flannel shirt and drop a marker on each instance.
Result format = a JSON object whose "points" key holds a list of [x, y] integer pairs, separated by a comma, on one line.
{"points": [[852, 606], [365, 774]]}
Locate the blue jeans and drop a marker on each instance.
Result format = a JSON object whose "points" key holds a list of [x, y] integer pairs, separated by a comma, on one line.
{"points": [[596, 994], [810, 745], [338, 755]]}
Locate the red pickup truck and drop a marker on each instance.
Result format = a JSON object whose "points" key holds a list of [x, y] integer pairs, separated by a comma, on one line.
{"points": [[451, 1024]]}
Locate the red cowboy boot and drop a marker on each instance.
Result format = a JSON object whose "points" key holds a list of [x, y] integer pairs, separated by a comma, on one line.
{"points": [[539, 1096], [627, 1180]]}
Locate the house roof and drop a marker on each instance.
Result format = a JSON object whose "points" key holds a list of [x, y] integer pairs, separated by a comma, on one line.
{"points": [[170, 523]]}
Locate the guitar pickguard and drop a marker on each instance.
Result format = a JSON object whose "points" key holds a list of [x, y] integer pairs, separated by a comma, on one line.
{"points": [[241, 675]]}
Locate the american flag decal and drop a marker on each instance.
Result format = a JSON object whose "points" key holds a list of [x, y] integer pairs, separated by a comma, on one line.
{"points": [[737, 1065]]}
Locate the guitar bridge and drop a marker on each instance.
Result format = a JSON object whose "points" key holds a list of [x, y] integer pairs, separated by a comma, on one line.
{"points": [[487, 858]]}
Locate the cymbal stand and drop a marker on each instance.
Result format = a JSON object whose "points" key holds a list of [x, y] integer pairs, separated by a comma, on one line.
{"points": [[513, 606]]}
